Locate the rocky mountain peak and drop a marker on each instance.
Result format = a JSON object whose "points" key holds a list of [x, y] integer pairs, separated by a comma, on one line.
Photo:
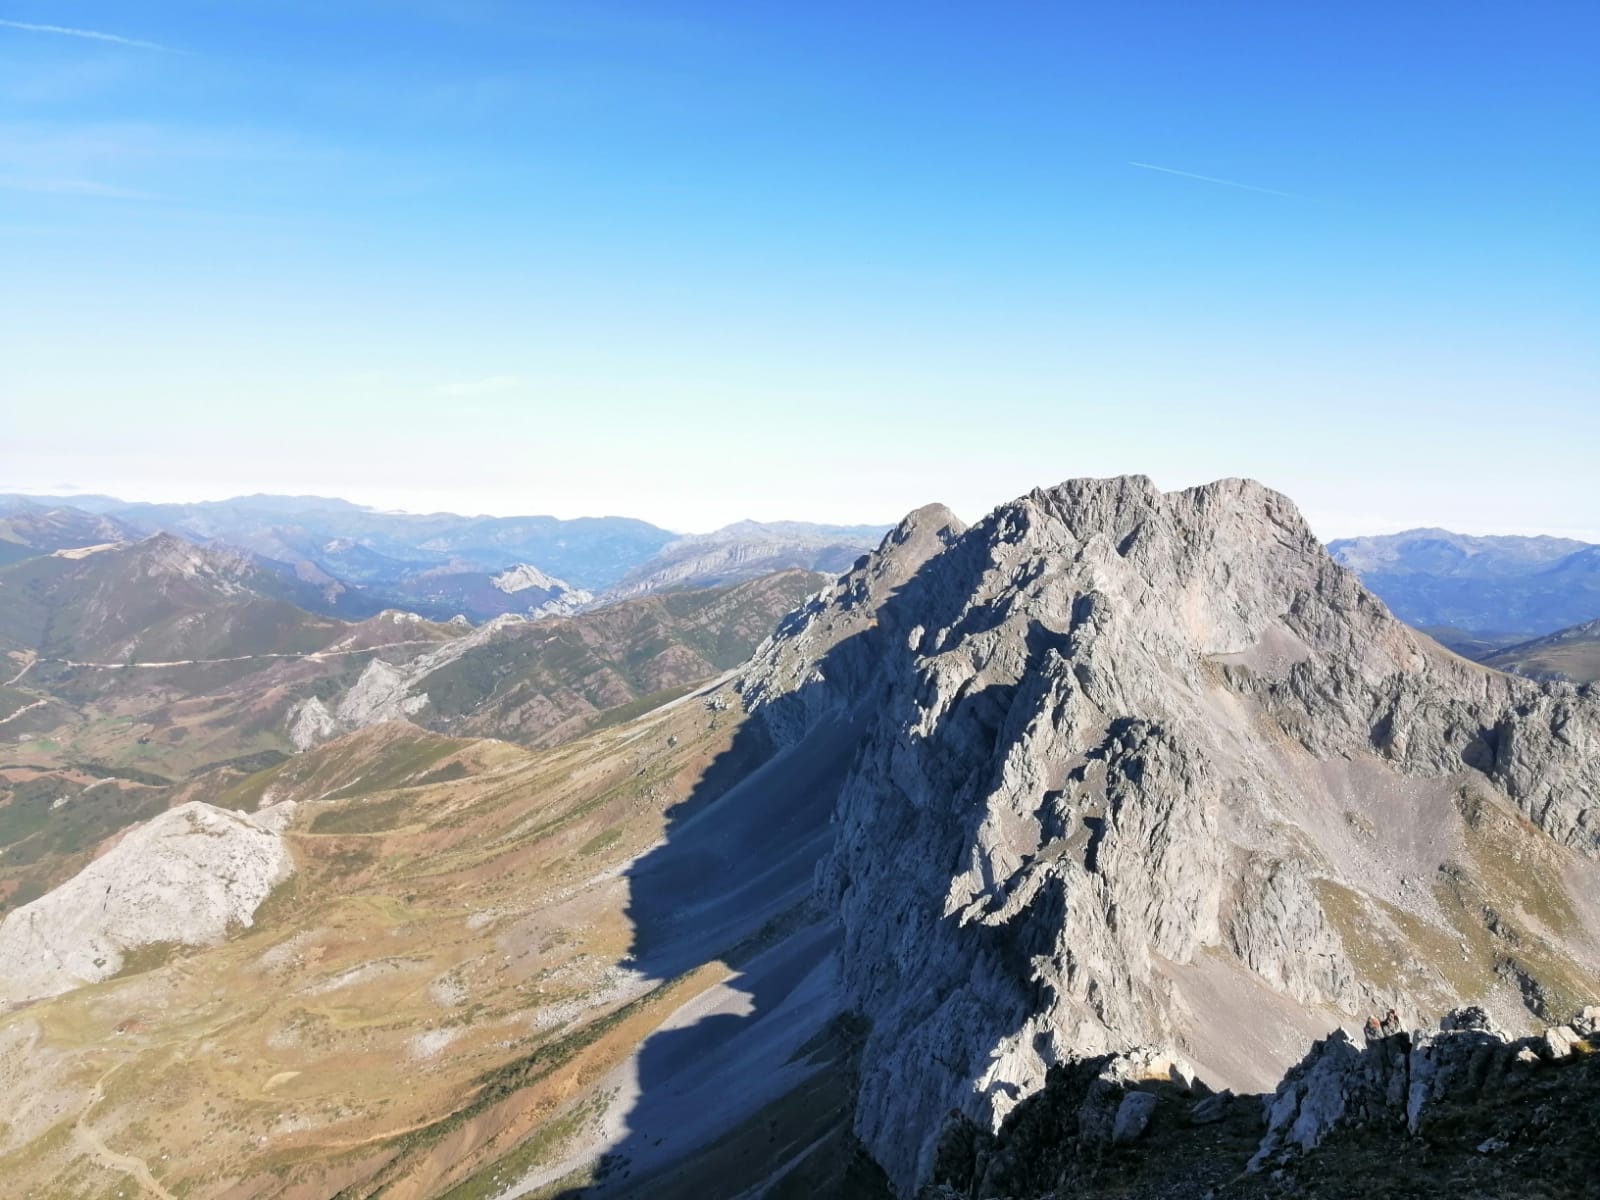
{"points": [[1126, 757], [165, 555], [524, 576]]}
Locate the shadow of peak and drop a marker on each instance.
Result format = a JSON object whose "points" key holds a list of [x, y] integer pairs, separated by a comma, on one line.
{"points": [[740, 1085]]}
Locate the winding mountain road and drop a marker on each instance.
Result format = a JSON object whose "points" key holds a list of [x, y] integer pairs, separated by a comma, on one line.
{"points": [[311, 655]]}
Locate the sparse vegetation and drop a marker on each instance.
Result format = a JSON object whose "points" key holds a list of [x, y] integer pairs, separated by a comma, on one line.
{"points": [[372, 817], [148, 958], [603, 840]]}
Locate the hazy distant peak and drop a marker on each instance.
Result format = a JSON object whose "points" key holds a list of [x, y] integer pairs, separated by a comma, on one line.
{"points": [[524, 576], [788, 531]]}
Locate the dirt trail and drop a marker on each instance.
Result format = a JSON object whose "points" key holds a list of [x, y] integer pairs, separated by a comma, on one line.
{"points": [[25, 708], [90, 1141]]}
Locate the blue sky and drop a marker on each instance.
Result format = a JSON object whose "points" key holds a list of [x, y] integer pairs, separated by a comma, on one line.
{"points": [[695, 262]]}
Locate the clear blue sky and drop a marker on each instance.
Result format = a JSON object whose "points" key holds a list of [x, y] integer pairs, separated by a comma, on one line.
{"points": [[695, 262]]}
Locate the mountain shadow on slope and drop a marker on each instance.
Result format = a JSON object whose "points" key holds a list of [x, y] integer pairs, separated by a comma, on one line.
{"points": [[733, 879]]}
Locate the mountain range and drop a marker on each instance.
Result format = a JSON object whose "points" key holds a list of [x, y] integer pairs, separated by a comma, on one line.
{"points": [[1491, 591], [348, 561], [142, 671], [999, 864]]}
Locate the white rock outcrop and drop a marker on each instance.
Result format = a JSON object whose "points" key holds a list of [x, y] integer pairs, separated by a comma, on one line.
{"points": [[187, 876], [385, 691], [311, 724], [561, 599]]}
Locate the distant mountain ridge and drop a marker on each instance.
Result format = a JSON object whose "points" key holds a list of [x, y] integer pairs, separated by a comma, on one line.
{"points": [[159, 599], [353, 562], [1572, 654], [747, 550], [28, 530], [590, 551], [1481, 585]]}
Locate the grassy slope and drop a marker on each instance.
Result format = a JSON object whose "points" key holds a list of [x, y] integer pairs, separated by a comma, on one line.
{"points": [[457, 894], [114, 746], [176, 733], [549, 681]]}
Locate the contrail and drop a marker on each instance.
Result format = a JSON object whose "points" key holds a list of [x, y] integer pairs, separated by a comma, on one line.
{"points": [[1249, 187], [94, 35]]}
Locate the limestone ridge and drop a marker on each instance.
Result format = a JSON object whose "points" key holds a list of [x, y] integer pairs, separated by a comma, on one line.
{"points": [[1119, 750]]}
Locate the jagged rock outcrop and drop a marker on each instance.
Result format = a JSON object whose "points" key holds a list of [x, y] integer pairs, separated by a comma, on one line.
{"points": [[1134, 767], [1399, 1079], [186, 876], [311, 724], [1105, 1127]]}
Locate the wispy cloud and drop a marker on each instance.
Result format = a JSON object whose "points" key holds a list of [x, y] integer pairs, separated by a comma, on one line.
{"points": [[71, 187], [1249, 187], [93, 35]]}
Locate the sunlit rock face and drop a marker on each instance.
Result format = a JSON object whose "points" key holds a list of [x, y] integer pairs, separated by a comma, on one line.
{"points": [[1150, 769]]}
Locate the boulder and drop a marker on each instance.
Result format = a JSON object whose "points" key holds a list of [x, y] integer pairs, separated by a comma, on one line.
{"points": [[1133, 1115], [1558, 1042], [1212, 1109]]}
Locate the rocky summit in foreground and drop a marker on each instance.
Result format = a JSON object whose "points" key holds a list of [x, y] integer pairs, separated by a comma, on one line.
{"points": [[1460, 1110], [1135, 769]]}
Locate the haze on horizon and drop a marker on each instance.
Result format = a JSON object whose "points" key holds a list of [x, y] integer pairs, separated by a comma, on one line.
{"points": [[700, 262]]}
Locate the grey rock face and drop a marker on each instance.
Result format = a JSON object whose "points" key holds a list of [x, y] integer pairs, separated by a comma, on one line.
{"points": [[1587, 1023], [311, 724], [1337, 1083], [1114, 741], [1559, 1041], [1212, 1109]]}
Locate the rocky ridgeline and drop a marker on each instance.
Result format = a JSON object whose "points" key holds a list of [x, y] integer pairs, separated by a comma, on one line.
{"points": [[1138, 768], [1463, 1100]]}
